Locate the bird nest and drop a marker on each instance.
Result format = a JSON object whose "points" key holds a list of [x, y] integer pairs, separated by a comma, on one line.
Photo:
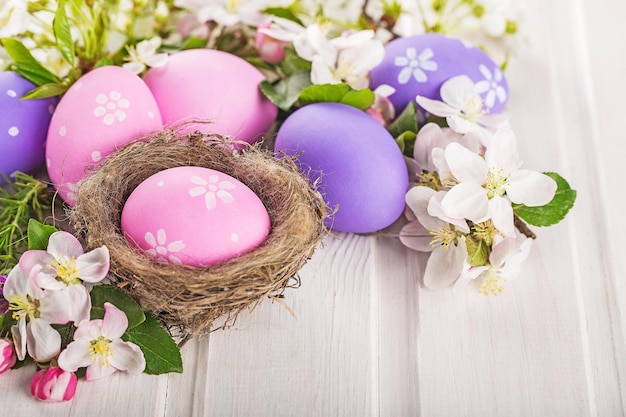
{"points": [[190, 299]]}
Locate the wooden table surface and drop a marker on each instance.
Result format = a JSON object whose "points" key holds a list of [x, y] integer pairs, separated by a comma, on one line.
{"points": [[368, 340]]}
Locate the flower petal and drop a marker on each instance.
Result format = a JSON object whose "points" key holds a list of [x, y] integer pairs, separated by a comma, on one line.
{"points": [[531, 188], [502, 151], [466, 201], [114, 323], [94, 265], [64, 244], [127, 356], [79, 303], [435, 209], [458, 91], [444, 266], [465, 165], [501, 214], [31, 258], [96, 371], [417, 199], [429, 137], [436, 107], [43, 342], [18, 332], [414, 236], [75, 355], [89, 330]]}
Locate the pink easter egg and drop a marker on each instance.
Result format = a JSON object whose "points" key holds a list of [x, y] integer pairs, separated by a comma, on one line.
{"points": [[104, 110], [214, 86], [194, 216]]}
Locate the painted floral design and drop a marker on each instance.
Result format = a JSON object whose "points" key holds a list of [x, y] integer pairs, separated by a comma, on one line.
{"points": [[162, 250], [414, 65], [491, 86], [111, 107], [212, 189]]}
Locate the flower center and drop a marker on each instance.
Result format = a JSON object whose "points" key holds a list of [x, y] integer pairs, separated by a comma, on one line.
{"points": [[430, 180], [485, 231], [491, 286], [23, 306], [496, 182], [66, 270], [444, 236], [473, 109], [101, 351]]}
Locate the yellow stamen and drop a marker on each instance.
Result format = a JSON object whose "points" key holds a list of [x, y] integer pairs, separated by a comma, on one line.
{"points": [[444, 236], [66, 269], [492, 286], [474, 109], [430, 180], [485, 231], [496, 182], [23, 307], [101, 351]]}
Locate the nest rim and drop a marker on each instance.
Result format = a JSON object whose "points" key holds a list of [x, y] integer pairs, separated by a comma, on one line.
{"points": [[186, 299]]}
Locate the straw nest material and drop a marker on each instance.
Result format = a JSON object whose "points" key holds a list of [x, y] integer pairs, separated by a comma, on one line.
{"points": [[190, 299]]}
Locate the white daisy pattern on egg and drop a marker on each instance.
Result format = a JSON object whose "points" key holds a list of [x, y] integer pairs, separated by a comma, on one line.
{"points": [[111, 107], [161, 250], [212, 189], [414, 65], [71, 192], [491, 86]]}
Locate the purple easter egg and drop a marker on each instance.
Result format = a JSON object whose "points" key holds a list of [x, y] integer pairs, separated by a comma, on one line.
{"points": [[419, 65], [357, 164], [23, 126]]}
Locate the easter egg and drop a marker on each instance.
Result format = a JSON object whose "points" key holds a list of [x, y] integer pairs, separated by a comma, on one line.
{"points": [[194, 216], [104, 110], [215, 87], [23, 126], [356, 163], [420, 64]]}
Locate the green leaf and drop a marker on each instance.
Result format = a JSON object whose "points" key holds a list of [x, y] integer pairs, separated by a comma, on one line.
{"points": [[405, 122], [101, 294], [39, 234], [338, 93], [286, 92], [477, 251], [283, 12], [45, 91], [293, 63], [104, 62], [26, 65], [160, 350], [63, 35], [406, 142], [555, 210], [193, 42]]}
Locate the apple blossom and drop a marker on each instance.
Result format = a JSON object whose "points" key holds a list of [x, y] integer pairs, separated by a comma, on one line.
{"points": [[445, 238], [34, 310], [98, 346], [144, 54], [486, 187], [505, 262], [7, 355], [63, 267], [462, 106], [53, 384], [270, 50]]}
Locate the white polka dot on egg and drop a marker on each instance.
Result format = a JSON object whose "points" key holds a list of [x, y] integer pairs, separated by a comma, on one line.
{"points": [[11, 93], [160, 184], [96, 156], [63, 131], [14, 131], [234, 237]]}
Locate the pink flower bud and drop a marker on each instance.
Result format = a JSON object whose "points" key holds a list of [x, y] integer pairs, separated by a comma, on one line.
{"points": [[270, 50], [7, 355], [53, 384]]}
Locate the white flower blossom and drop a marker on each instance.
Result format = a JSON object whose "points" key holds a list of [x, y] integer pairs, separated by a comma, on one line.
{"points": [[145, 55]]}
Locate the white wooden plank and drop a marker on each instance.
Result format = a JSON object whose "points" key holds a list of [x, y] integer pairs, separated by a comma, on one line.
{"points": [[397, 274], [316, 364]]}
